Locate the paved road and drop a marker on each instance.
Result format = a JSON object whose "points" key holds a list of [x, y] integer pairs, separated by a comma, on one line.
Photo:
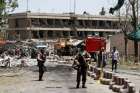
{"points": [[58, 79]]}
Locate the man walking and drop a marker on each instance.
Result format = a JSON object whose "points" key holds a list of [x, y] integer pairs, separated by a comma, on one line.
{"points": [[81, 61], [41, 58], [115, 59]]}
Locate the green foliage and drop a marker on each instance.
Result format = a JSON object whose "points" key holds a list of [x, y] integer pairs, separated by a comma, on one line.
{"points": [[6, 6]]}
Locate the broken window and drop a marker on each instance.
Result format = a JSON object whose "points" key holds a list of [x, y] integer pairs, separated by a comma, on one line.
{"points": [[35, 22], [101, 24], [50, 22], [94, 23], [20, 22], [43, 22], [65, 34], [34, 33], [41, 34], [108, 24], [50, 33], [65, 22]]}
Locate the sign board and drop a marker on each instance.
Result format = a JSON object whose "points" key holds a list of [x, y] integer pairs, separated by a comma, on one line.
{"points": [[94, 44]]}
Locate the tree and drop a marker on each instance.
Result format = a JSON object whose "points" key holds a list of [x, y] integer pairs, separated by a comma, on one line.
{"points": [[102, 11], [126, 26], [134, 17], [6, 6], [134, 21]]}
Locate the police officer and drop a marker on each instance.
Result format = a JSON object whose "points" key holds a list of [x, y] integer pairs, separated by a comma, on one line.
{"points": [[41, 58], [81, 66]]}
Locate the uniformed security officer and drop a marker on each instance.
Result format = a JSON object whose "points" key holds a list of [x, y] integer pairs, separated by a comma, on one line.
{"points": [[41, 58], [81, 65]]}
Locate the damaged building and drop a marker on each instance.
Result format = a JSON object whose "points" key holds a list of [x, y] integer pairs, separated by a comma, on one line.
{"points": [[52, 26]]}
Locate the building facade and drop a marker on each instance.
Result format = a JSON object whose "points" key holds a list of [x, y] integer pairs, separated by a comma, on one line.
{"points": [[45, 25]]}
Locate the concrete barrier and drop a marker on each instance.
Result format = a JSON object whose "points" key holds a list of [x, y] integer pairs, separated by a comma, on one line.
{"points": [[131, 88], [117, 83]]}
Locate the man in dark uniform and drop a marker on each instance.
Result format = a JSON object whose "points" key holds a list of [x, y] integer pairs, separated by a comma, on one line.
{"points": [[41, 58], [81, 65], [102, 58]]}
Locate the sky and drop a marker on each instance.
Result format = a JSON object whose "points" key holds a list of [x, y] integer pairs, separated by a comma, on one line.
{"points": [[65, 6]]}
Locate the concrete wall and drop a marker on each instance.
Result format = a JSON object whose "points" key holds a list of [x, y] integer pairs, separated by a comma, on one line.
{"points": [[118, 41]]}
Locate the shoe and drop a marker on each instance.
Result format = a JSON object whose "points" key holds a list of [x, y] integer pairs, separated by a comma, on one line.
{"points": [[77, 86], [84, 86], [40, 80]]}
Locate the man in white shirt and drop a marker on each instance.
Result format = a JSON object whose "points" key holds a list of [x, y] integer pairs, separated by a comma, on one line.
{"points": [[115, 58]]}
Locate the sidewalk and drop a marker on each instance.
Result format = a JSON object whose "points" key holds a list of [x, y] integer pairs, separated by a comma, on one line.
{"points": [[124, 71], [58, 79], [132, 75]]}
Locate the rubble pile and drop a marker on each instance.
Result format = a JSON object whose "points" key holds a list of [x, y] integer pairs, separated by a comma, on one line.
{"points": [[23, 53]]}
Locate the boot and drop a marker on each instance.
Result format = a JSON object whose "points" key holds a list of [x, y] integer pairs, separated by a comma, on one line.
{"points": [[40, 76], [83, 86], [77, 86]]}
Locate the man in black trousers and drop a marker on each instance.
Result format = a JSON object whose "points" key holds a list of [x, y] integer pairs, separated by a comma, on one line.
{"points": [[81, 65], [115, 59], [41, 58]]}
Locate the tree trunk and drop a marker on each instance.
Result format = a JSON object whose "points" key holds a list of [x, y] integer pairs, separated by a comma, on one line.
{"points": [[134, 23], [126, 55], [136, 51]]}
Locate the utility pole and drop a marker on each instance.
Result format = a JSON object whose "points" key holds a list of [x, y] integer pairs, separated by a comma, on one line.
{"points": [[69, 5], [138, 11], [74, 6], [27, 8]]}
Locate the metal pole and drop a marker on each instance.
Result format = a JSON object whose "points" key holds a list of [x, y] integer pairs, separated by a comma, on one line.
{"points": [[27, 5], [137, 12], [69, 5], [74, 6]]}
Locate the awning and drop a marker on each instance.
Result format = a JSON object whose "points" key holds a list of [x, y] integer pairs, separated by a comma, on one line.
{"points": [[75, 43], [135, 35]]}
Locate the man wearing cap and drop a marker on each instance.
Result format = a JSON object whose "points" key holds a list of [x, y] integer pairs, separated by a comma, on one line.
{"points": [[81, 61]]}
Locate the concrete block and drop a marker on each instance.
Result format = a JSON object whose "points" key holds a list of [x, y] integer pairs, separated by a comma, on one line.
{"points": [[116, 88], [107, 75], [111, 84], [131, 88], [123, 91], [105, 81]]}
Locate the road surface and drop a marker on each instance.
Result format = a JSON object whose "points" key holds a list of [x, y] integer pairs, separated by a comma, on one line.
{"points": [[58, 79]]}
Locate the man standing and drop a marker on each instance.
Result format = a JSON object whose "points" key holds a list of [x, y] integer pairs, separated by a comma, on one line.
{"points": [[102, 58], [41, 58], [81, 61], [115, 58]]}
